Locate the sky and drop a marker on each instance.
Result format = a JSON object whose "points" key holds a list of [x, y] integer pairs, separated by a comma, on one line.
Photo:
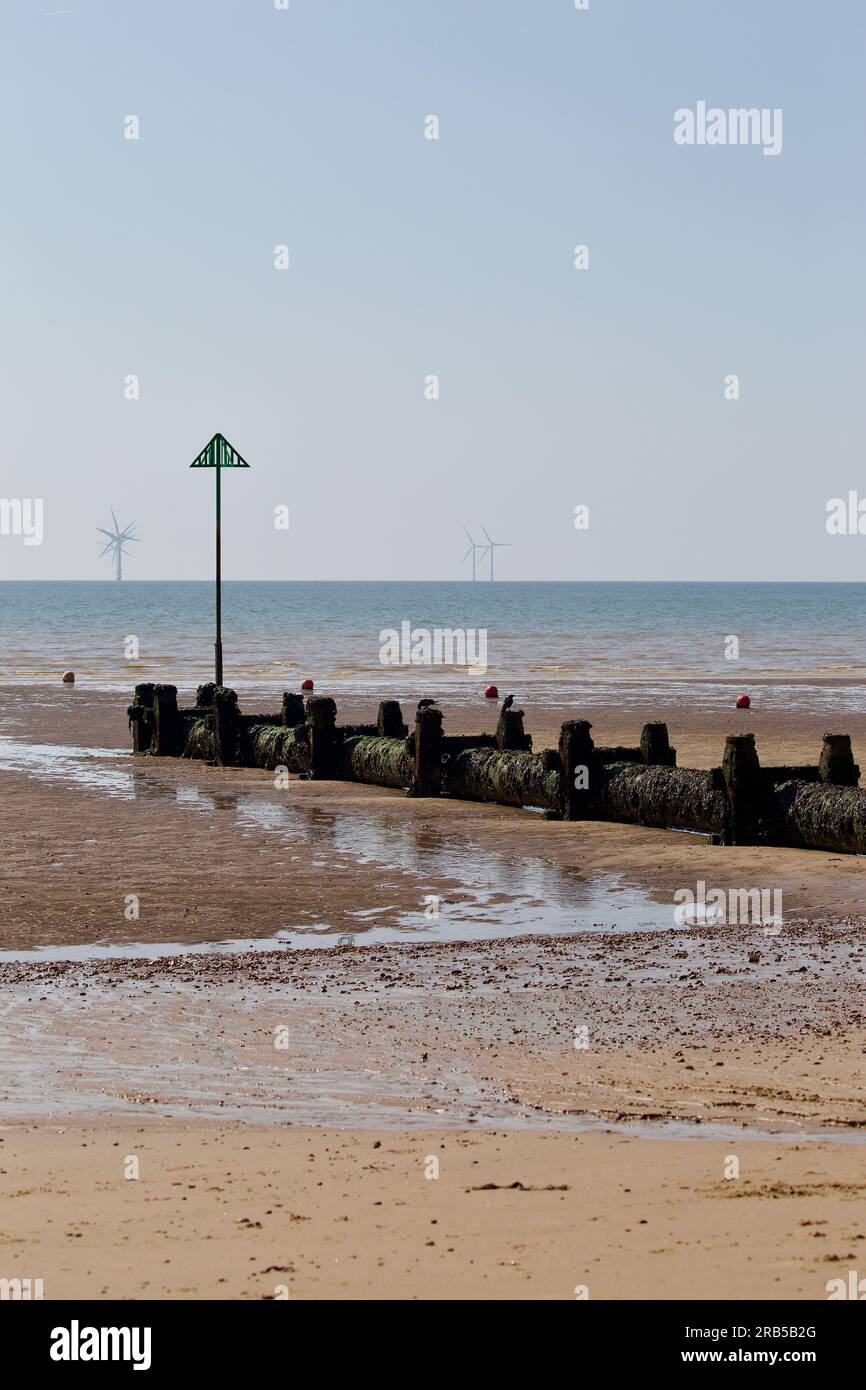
{"points": [[410, 258]]}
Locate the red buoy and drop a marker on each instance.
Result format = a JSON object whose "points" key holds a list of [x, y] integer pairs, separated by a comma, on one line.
{"points": [[743, 702], [307, 684], [491, 693]]}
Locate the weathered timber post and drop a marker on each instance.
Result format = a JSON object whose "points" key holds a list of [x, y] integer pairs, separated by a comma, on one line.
{"points": [[509, 732], [655, 746], [165, 740], [577, 767], [427, 778], [389, 722], [141, 717], [836, 764], [293, 712], [204, 695], [322, 727], [743, 786], [226, 725]]}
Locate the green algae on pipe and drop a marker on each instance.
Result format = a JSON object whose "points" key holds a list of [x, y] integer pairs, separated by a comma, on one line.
{"points": [[668, 797]]}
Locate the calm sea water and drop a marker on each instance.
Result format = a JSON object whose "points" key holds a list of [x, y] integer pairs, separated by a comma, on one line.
{"points": [[548, 641]]}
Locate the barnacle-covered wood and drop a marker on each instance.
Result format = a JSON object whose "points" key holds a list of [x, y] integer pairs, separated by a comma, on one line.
{"points": [[517, 779], [510, 735], [805, 772], [140, 717], [618, 753], [458, 743], [836, 763], [293, 709], [167, 731], [389, 722], [675, 797], [274, 745], [817, 815], [383, 762], [655, 745], [246, 721]]}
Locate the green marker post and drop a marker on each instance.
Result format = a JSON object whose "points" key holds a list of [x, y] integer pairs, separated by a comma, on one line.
{"points": [[219, 454]]}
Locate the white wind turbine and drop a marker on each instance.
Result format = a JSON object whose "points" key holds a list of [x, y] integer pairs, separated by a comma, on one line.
{"points": [[491, 546], [117, 539], [474, 547]]}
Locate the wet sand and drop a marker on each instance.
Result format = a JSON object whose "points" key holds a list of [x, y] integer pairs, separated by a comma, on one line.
{"points": [[221, 854], [704, 1030], [609, 1029]]}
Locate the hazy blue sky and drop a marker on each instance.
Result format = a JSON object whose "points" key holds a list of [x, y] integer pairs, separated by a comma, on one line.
{"points": [[408, 256]]}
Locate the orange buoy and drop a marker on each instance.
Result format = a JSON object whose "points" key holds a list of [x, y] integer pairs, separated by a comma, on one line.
{"points": [[743, 702], [491, 693], [307, 684], [68, 677]]}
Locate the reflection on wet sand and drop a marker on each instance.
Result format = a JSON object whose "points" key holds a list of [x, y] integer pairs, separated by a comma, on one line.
{"points": [[463, 890]]}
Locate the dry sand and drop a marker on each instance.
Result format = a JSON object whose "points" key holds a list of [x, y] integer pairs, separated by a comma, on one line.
{"points": [[247, 1212]]}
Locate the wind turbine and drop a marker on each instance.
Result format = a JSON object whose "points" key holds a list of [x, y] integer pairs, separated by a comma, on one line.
{"points": [[491, 546], [117, 539], [474, 547]]}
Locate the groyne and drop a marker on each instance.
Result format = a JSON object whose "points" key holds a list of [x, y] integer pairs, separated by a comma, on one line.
{"points": [[818, 806]]}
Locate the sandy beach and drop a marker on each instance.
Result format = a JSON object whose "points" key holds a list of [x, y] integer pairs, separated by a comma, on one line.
{"points": [[428, 444], [551, 1028], [248, 1212]]}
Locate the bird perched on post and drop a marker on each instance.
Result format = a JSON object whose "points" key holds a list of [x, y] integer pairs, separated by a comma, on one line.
{"points": [[507, 703], [425, 704]]}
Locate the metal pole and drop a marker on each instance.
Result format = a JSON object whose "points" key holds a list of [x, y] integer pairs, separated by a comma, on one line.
{"points": [[218, 644]]}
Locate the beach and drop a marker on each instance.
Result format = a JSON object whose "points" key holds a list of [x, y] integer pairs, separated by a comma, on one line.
{"points": [[283, 990]]}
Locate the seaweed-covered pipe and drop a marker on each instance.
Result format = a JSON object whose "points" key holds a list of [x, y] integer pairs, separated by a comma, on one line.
{"points": [[383, 762], [516, 779], [275, 745], [817, 815], [676, 797], [199, 740]]}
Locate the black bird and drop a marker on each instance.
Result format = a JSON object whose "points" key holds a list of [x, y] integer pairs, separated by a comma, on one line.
{"points": [[507, 703], [425, 704]]}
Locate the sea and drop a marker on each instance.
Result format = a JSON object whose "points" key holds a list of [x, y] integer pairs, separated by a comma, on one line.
{"points": [[552, 643]]}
